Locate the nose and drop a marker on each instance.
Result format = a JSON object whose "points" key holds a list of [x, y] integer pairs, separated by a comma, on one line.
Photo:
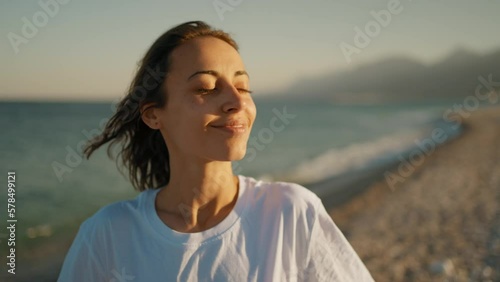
{"points": [[234, 101]]}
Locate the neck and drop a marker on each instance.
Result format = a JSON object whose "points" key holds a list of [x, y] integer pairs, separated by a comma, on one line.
{"points": [[199, 194]]}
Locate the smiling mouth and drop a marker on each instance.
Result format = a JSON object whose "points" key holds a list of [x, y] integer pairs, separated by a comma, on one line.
{"points": [[233, 129]]}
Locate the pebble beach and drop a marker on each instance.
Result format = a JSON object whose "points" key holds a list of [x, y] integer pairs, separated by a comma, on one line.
{"points": [[442, 223]]}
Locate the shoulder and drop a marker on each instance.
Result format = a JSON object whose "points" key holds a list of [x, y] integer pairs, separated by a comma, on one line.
{"points": [[114, 216], [283, 195], [88, 258]]}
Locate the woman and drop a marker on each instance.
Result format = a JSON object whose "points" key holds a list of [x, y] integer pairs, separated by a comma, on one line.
{"points": [[188, 114]]}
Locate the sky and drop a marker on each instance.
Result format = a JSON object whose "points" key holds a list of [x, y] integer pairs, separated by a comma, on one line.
{"points": [[88, 50]]}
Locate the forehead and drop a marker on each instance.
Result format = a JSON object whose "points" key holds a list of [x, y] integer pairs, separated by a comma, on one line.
{"points": [[205, 53]]}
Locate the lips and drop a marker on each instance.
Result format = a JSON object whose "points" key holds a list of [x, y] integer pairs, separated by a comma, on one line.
{"points": [[233, 126]]}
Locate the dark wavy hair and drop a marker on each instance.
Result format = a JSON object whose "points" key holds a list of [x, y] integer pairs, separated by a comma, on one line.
{"points": [[142, 150]]}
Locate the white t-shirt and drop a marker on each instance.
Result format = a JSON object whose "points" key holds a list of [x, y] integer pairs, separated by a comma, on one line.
{"points": [[277, 231]]}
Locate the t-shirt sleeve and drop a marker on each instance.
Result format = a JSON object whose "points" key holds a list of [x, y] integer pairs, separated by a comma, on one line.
{"points": [[330, 256], [81, 262]]}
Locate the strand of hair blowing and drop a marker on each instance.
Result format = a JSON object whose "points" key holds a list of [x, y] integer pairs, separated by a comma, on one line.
{"points": [[142, 150]]}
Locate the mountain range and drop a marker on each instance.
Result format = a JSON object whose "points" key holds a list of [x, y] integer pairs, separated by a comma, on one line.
{"points": [[402, 79]]}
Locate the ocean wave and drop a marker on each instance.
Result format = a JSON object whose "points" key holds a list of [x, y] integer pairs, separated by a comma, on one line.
{"points": [[358, 156]]}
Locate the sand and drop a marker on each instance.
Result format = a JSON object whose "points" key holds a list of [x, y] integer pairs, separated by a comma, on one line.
{"points": [[443, 222]]}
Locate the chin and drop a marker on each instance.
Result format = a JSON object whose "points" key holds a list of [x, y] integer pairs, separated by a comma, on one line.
{"points": [[229, 151], [236, 155], [231, 155], [239, 156]]}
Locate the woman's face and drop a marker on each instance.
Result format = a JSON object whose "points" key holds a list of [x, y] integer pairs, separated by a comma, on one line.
{"points": [[209, 112]]}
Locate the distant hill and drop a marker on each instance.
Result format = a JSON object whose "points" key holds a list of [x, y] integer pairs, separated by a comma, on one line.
{"points": [[402, 79]]}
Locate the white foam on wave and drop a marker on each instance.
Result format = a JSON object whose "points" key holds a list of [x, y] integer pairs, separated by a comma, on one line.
{"points": [[337, 161]]}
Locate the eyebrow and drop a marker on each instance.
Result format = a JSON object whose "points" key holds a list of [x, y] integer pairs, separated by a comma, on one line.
{"points": [[216, 74]]}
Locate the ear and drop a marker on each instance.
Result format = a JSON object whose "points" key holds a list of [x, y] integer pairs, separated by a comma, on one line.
{"points": [[149, 115]]}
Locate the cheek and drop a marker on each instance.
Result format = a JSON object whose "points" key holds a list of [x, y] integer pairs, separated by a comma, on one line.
{"points": [[187, 123], [176, 121], [252, 110], [182, 110]]}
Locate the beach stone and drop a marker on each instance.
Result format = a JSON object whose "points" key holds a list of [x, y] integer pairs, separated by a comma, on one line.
{"points": [[487, 272], [442, 267], [409, 274]]}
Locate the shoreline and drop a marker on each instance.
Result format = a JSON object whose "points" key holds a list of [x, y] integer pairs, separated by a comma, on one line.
{"points": [[443, 221], [337, 190]]}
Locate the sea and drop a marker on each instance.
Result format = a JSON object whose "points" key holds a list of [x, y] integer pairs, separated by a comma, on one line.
{"points": [[303, 141]]}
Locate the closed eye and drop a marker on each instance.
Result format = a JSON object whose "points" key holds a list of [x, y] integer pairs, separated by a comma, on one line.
{"points": [[208, 91], [245, 90]]}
